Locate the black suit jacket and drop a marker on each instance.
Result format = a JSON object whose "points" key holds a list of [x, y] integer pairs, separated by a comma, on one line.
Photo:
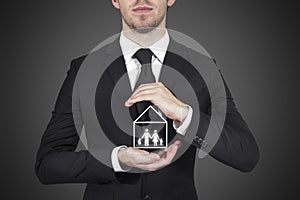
{"points": [[57, 161]]}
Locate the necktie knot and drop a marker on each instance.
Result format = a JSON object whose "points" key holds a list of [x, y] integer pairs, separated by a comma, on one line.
{"points": [[146, 75], [143, 56]]}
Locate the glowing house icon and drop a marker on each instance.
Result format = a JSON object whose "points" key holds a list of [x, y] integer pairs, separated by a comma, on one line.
{"points": [[150, 134]]}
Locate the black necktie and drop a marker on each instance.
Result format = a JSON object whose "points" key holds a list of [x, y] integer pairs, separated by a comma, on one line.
{"points": [[144, 56]]}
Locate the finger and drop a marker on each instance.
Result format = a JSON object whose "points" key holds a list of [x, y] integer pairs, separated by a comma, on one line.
{"points": [[146, 167], [146, 87], [167, 156], [178, 142], [170, 154], [172, 151], [145, 97], [150, 85], [153, 166], [131, 150], [162, 153], [130, 102], [147, 159], [141, 154], [144, 91], [138, 92], [143, 87]]}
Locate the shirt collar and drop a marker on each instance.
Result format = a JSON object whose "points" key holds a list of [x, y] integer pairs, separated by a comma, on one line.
{"points": [[159, 48]]}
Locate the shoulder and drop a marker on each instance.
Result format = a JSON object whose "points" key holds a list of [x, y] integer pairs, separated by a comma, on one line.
{"points": [[96, 54]]}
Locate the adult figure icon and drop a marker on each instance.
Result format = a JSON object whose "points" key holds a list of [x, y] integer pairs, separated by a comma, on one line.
{"points": [[146, 136], [155, 138]]}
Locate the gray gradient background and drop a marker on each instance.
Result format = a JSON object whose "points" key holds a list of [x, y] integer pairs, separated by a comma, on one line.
{"points": [[254, 43]]}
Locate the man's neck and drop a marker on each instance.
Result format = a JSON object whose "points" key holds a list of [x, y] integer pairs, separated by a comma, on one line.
{"points": [[145, 37]]}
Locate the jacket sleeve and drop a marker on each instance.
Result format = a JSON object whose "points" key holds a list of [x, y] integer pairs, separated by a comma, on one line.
{"points": [[236, 145], [57, 161]]}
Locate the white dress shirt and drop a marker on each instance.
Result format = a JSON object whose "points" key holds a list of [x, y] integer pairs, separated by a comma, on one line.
{"points": [[159, 49]]}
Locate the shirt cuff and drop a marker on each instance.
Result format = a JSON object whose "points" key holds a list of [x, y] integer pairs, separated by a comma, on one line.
{"points": [[115, 160], [181, 127]]}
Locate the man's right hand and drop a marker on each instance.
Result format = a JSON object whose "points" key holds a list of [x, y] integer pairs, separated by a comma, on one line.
{"points": [[144, 160]]}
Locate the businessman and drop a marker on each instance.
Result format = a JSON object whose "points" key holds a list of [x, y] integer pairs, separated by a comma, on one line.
{"points": [[163, 175]]}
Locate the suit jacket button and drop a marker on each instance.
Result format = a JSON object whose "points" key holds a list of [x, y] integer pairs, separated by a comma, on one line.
{"points": [[147, 197], [198, 140]]}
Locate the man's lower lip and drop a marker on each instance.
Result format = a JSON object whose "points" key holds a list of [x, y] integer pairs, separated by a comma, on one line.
{"points": [[142, 10]]}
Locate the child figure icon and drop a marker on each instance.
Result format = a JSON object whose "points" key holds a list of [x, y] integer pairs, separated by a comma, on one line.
{"points": [[161, 141]]}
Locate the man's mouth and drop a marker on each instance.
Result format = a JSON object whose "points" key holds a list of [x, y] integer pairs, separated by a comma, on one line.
{"points": [[142, 9]]}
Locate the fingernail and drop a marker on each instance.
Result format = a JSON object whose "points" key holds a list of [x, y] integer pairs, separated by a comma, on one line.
{"points": [[178, 143]]}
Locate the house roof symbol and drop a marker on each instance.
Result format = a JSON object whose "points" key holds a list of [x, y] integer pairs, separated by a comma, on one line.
{"points": [[156, 116]]}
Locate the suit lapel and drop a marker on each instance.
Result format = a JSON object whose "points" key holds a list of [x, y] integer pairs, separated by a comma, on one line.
{"points": [[117, 69], [118, 74], [168, 72]]}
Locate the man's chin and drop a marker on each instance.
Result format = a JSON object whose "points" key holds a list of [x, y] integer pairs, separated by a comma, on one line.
{"points": [[144, 29], [144, 26]]}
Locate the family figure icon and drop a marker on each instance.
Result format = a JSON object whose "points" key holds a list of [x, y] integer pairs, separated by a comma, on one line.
{"points": [[147, 136]]}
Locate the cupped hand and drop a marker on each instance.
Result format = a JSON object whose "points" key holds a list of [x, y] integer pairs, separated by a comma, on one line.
{"points": [[133, 157]]}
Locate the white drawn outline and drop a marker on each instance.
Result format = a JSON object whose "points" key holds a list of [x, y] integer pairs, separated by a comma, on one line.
{"points": [[150, 122]]}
